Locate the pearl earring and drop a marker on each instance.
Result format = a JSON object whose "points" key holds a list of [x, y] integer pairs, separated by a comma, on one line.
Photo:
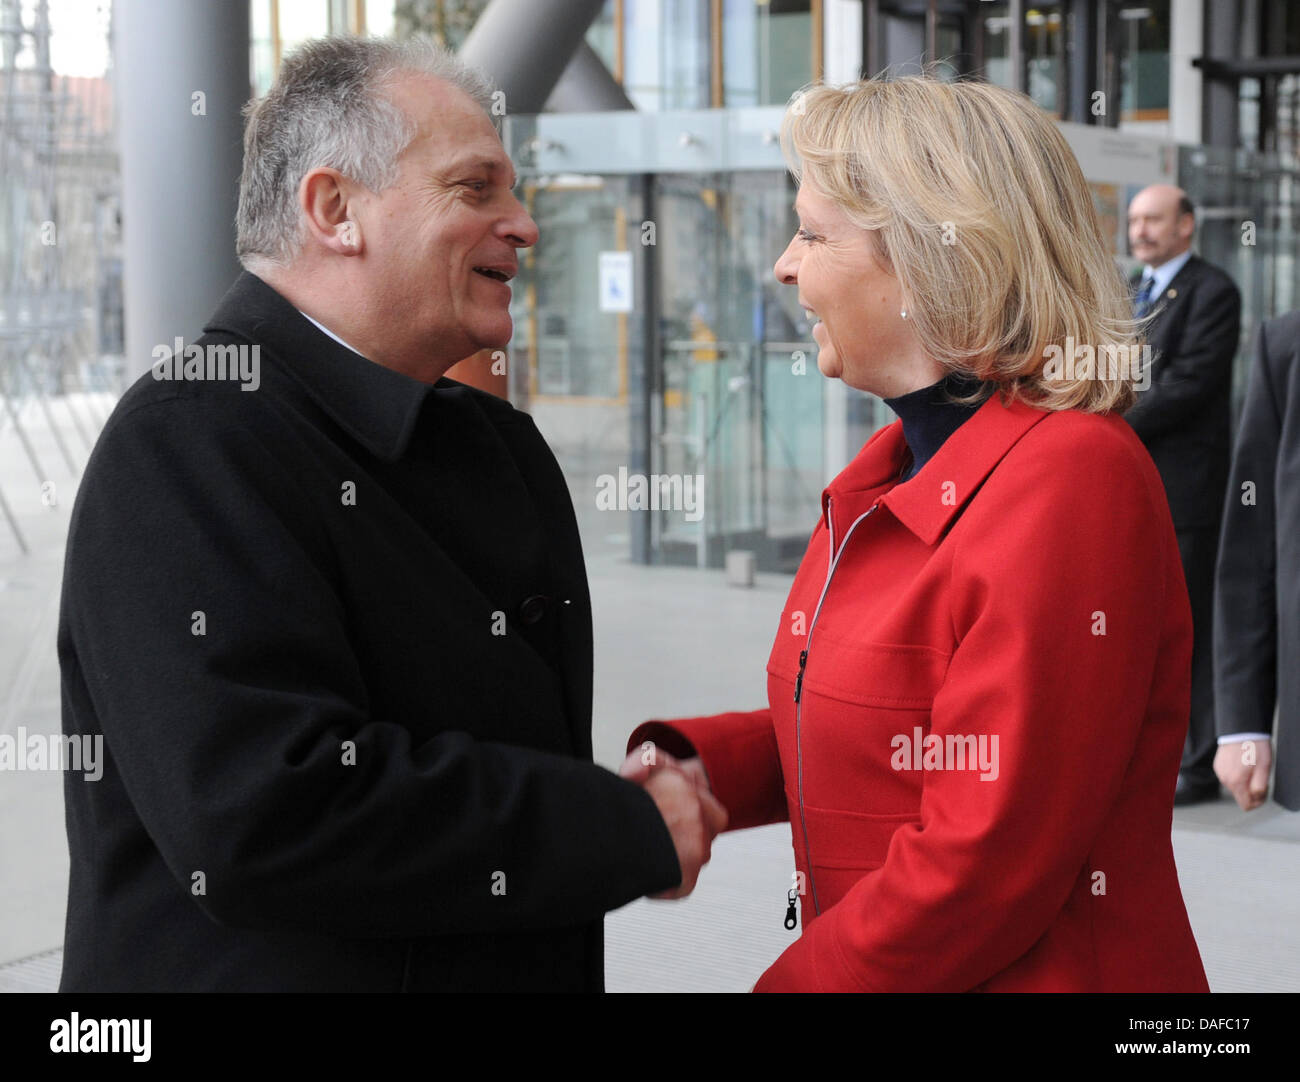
{"points": [[903, 313]]}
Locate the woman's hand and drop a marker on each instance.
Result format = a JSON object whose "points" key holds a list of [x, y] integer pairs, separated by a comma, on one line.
{"points": [[642, 762]]}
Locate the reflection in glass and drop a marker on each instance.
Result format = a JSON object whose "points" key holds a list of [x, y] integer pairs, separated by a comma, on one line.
{"points": [[767, 50], [1144, 63], [666, 54]]}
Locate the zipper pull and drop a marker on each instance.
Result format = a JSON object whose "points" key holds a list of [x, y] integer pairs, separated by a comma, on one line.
{"points": [[790, 918], [798, 680]]}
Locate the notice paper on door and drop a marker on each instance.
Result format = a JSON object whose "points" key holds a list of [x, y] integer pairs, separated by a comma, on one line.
{"points": [[615, 281]]}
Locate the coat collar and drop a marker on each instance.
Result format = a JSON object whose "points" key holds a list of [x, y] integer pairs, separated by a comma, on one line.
{"points": [[1176, 287], [1163, 275], [927, 504], [375, 405]]}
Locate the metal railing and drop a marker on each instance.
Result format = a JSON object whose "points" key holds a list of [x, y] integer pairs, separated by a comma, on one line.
{"points": [[57, 241]]}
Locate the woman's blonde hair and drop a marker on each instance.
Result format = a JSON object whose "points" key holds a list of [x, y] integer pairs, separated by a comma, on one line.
{"points": [[983, 214]]}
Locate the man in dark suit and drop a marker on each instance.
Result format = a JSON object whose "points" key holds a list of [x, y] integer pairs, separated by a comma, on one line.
{"points": [[328, 609], [1257, 589], [1195, 320]]}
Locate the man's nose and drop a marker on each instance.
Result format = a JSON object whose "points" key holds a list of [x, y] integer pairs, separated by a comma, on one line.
{"points": [[520, 229]]}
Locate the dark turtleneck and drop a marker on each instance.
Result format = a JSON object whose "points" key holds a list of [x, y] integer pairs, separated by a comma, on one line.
{"points": [[929, 416]]}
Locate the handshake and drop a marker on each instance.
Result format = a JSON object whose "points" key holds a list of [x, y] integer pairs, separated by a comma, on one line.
{"points": [[680, 790]]}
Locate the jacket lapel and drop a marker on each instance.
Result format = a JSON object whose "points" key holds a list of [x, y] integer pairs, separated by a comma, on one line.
{"points": [[928, 503], [1173, 297]]}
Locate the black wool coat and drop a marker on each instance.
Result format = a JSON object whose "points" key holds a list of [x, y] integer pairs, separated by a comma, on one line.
{"points": [[336, 636], [1183, 417]]}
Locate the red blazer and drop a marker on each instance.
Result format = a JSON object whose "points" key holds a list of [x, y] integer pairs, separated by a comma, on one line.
{"points": [[978, 697]]}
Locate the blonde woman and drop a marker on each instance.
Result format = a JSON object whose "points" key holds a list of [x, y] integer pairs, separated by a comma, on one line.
{"points": [[978, 690]]}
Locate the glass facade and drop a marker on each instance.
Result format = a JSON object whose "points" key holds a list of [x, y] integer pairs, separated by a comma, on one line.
{"points": [[666, 54], [1136, 41], [740, 398], [278, 26], [706, 367], [1248, 214], [579, 349], [1044, 37], [1269, 103], [1143, 42], [710, 370], [767, 50], [686, 54], [719, 382]]}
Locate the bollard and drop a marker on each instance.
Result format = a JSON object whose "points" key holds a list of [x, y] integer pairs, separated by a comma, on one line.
{"points": [[740, 568]]}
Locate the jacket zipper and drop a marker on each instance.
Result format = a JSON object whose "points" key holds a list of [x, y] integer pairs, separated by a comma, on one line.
{"points": [[833, 559]]}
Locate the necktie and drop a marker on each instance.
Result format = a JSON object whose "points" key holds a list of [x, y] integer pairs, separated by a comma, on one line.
{"points": [[1142, 299]]}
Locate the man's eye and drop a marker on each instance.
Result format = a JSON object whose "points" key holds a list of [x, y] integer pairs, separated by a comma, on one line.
{"points": [[476, 185]]}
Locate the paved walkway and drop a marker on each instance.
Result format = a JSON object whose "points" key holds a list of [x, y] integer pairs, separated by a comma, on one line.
{"points": [[669, 642]]}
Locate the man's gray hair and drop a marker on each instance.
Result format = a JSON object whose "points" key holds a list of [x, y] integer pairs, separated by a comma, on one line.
{"points": [[328, 108]]}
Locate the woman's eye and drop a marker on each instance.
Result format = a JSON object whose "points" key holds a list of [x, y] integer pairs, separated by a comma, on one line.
{"points": [[807, 237]]}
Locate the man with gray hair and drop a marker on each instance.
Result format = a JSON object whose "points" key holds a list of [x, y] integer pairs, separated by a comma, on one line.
{"points": [[336, 632]]}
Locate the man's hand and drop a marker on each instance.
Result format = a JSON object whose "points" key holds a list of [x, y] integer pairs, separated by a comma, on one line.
{"points": [[641, 763], [693, 817], [1243, 769], [680, 789]]}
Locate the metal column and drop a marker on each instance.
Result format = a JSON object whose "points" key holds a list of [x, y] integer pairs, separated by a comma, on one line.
{"points": [[523, 46], [182, 79]]}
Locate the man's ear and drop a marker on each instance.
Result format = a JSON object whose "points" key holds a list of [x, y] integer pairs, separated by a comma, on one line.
{"points": [[1186, 225], [323, 198]]}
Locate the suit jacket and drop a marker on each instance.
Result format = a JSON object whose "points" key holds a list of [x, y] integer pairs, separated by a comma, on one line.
{"points": [[977, 700], [336, 636], [1257, 585], [1183, 417]]}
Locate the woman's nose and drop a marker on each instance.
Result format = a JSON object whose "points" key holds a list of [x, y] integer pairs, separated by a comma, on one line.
{"points": [[786, 269]]}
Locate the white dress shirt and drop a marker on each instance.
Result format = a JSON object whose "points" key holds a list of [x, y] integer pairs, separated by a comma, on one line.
{"points": [[1163, 275], [321, 326]]}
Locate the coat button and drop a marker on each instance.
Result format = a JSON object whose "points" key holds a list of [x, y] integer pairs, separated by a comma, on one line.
{"points": [[532, 609]]}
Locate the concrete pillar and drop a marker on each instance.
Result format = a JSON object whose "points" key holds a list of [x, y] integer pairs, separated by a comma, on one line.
{"points": [[1221, 37], [904, 44], [1081, 60], [1186, 34], [523, 46], [842, 41], [1016, 43], [181, 79], [586, 86]]}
